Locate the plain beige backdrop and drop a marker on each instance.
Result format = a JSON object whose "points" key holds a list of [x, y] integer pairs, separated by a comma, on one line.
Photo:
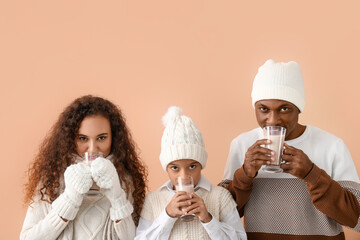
{"points": [[148, 55]]}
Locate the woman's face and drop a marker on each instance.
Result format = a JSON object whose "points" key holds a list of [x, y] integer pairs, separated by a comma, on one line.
{"points": [[94, 135]]}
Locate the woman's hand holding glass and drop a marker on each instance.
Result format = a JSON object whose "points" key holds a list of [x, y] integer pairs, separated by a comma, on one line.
{"points": [[106, 177], [78, 180]]}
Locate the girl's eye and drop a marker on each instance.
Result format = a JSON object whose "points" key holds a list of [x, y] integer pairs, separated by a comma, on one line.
{"points": [[174, 168], [192, 166], [284, 109]]}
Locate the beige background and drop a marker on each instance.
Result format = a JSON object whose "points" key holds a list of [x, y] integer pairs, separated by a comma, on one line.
{"points": [[148, 55]]}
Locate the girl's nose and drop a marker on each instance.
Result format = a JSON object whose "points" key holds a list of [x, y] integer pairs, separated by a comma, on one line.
{"points": [[184, 173]]}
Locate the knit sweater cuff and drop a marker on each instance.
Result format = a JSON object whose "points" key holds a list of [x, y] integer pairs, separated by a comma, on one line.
{"points": [[313, 176], [56, 221], [241, 176], [120, 208], [64, 207]]}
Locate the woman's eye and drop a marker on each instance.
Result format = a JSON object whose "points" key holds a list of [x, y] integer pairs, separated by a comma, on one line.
{"points": [[192, 166], [82, 138], [102, 138]]}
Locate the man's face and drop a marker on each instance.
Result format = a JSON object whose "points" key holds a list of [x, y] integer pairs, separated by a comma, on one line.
{"points": [[275, 112]]}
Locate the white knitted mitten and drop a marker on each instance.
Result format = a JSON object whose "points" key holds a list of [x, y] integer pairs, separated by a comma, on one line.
{"points": [[106, 177], [77, 178]]}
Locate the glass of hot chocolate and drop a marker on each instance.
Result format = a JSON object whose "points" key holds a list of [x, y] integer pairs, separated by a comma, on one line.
{"points": [[276, 134], [185, 184]]}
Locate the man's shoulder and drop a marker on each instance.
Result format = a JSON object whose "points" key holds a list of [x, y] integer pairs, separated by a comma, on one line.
{"points": [[319, 133], [251, 136]]}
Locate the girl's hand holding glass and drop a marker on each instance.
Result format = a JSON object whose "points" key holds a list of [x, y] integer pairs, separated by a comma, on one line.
{"points": [[198, 208], [185, 184], [178, 202]]}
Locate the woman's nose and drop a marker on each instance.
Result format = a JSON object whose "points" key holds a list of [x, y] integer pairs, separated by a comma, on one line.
{"points": [[92, 147]]}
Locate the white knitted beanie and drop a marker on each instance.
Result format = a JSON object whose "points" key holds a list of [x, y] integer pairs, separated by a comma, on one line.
{"points": [[282, 81], [181, 139]]}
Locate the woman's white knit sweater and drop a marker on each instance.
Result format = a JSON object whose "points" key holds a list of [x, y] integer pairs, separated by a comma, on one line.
{"points": [[92, 222]]}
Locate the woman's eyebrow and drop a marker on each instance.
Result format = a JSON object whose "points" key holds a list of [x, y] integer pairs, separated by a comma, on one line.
{"points": [[103, 134]]}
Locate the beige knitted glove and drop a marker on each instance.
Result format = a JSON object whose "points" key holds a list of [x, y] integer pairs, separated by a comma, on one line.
{"points": [[78, 180], [106, 177]]}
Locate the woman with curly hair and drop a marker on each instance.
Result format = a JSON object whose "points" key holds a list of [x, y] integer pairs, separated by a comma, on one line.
{"points": [[59, 207]]}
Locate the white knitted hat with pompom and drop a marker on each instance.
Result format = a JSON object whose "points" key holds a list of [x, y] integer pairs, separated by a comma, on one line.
{"points": [[181, 139]]}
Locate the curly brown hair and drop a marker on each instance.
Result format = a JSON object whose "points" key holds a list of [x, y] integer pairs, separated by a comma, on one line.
{"points": [[58, 148]]}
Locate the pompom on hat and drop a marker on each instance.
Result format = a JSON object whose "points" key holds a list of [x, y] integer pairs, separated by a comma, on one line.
{"points": [[181, 139], [278, 80]]}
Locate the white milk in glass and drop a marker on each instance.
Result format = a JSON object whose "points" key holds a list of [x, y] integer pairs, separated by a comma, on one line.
{"points": [[276, 146], [276, 134], [185, 188], [185, 185]]}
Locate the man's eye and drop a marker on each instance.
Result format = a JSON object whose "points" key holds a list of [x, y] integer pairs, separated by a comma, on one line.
{"points": [[192, 166], [263, 109]]}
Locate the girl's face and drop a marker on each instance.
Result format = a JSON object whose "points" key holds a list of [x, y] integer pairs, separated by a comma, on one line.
{"points": [[182, 168], [94, 135]]}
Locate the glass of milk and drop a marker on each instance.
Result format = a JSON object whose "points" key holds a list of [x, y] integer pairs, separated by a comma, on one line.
{"points": [[185, 184], [276, 134], [88, 158]]}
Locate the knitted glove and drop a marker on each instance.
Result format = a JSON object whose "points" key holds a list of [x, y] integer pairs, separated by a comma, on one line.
{"points": [[106, 177], [78, 180]]}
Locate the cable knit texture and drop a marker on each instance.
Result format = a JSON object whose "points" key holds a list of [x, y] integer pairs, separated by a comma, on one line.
{"points": [[106, 177], [181, 139], [218, 202], [92, 222]]}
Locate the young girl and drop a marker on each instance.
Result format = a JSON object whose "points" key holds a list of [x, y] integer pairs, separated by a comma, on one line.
{"points": [[182, 155], [58, 180]]}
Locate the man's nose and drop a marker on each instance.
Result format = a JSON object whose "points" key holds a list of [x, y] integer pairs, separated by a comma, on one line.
{"points": [[273, 119]]}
